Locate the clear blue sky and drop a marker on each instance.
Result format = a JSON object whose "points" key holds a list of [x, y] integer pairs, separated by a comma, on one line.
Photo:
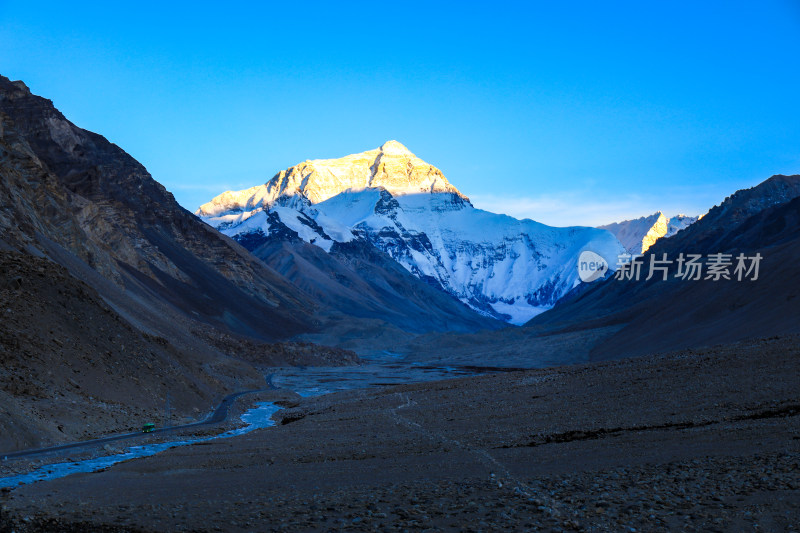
{"points": [[581, 113]]}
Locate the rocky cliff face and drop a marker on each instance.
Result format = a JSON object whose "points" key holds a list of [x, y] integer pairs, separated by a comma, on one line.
{"points": [[718, 228], [501, 267]]}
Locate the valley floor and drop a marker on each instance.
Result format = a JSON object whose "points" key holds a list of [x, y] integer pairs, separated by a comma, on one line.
{"points": [[698, 440]]}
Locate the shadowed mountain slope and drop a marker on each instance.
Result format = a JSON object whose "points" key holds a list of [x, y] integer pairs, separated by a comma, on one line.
{"points": [[659, 315], [359, 280], [619, 318], [72, 368]]}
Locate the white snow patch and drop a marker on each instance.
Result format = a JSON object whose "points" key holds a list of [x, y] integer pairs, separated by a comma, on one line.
{"points": [[520, 312]]}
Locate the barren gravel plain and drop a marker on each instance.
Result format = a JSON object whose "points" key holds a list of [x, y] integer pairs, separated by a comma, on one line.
{"points": [[700, 440]]}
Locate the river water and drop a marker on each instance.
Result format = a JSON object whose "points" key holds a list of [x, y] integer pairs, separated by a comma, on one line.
{"points": [[376, 371]]}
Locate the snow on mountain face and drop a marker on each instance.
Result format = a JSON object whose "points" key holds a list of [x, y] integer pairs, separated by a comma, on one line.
{"points": [[679, 222], [500, 266], [638, 235], [392, 166]]}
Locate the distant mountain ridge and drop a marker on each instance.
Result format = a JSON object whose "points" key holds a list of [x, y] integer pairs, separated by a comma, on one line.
{"points": [[618, 318], [639, 234], [674, 314], [499, 266]]}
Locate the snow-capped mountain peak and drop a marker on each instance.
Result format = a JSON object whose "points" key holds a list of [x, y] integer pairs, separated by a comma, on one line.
{"points": [[390, 199], [395, 148], [392, 167]]}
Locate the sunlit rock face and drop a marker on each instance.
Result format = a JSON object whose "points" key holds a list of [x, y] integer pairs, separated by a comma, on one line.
{"points": [[638, 235], [658, 230], [392, 167], [390, 199]]}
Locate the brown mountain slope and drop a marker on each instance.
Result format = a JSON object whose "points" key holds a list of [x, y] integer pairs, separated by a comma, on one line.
{"points": [[112, 295], [64, 187], [71, 367]]}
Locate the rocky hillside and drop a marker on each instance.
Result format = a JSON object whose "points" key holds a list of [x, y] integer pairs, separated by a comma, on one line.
{"points": [[69, 192], [723, 224], [373, 294], [71, 367], [112, 295], [390, 199]]}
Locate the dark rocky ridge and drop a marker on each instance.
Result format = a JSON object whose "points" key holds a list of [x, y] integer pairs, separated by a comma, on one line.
{"points": [[71, 367], [673, 314], [743, 221]]}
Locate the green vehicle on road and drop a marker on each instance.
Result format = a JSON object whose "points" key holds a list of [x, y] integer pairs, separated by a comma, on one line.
{"points": [[149, 427]]}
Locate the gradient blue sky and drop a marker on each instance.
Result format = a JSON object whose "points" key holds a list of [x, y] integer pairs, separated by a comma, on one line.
{"points": [[580, 113]]}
